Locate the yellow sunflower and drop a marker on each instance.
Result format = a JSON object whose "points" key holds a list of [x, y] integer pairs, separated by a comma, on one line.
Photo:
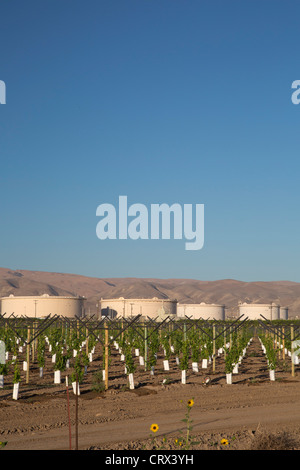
{"points": [[154, 427], [224, 442], [190, 403]]}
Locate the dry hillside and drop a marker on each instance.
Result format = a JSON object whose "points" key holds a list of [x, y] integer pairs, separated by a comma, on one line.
{"points": [[227, 291]]}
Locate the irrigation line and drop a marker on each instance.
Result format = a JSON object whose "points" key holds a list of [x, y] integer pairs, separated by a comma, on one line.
{"points": [[196, 323], [84, 323], [281, 334], [156, 327], [11, 315], [191, 324], [43, 328], [121, 330], [205, 321], [205, 332], [178, 325], [2, 319], [152, 322], [124, 329], [26, 341], [175, 324], [145, 325], [271, 329], [97, 327], [230, 326]]}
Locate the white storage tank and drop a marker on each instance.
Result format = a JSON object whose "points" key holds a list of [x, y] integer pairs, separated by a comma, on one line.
{"points": [[42, 306], [153, 308], [202, 310], [258, 311], [284, 313]]}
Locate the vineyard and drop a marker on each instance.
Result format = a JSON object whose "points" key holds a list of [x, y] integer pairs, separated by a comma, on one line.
{"points": [[84, 357]]}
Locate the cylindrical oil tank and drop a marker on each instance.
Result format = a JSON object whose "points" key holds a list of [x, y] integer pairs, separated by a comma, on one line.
{"points": [[284, 313], [260, 311], [42, 306], [153, 308], [275, 312], [202, 310]]}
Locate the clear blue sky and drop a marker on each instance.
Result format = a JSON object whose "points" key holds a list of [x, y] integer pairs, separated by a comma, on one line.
{"points": [[163, 101]]}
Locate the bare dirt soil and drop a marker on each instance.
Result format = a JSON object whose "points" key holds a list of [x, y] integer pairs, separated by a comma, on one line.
{"points": [[251, 413]]}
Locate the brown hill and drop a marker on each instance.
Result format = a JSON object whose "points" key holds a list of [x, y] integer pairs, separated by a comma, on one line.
{"points": [[13, 282], [227, 291]]}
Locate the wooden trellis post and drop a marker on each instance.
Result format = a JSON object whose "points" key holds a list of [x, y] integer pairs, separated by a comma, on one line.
{"points": [[87, 341], [214, 348], [28, 354], [146, 347], [106, 356], [292, 351]]}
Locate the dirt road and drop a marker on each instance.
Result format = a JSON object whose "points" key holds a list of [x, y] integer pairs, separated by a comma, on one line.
{"points": [[120, 418]]}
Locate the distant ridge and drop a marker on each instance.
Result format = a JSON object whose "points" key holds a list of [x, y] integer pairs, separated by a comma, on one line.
{"points": [[224, 291]]}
